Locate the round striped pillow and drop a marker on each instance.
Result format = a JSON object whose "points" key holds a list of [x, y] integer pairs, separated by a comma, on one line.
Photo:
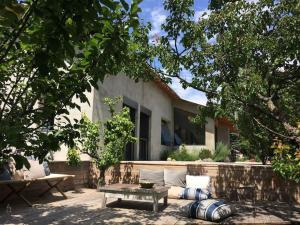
{"points": [[195, 194], [210, 209]]}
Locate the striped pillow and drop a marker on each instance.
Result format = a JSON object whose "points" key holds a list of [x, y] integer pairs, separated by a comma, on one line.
{"points": [[210, 209], [195, 194]]}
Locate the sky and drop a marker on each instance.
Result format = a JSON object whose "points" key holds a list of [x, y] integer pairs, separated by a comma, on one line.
{"points": [[153, 12]]}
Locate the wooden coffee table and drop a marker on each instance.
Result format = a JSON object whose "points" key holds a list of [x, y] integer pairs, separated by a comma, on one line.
{"points": [[135, 192]]}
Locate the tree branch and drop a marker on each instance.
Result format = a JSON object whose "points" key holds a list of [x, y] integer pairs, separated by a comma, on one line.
{"points": [[16, 33], [270, 130]]}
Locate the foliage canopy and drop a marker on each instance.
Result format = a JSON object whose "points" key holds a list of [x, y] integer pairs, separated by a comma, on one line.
{"points": [[50, 53], [244, 55]]}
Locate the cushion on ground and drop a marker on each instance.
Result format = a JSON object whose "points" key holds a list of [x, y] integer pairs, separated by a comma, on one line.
{"points": [[174, 177], [195, 194], [36, 170], [153, 176], [202, 182], [175, 192], [210, 209]]}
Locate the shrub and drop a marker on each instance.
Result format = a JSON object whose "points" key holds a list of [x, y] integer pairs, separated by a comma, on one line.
{"points": [[286, 160], [222, 152], [205, 154], [73, 157], [165, 154], [184, 155]]}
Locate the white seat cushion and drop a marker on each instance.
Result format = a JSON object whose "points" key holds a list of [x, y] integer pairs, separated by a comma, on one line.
{"points": [[36, 170], [202, 182]]}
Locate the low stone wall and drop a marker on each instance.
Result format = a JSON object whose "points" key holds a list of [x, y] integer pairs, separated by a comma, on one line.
{"points": [[224, 176], [81, 172]]}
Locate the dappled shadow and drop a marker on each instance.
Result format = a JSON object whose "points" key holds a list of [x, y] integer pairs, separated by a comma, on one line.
{"points": [[263, 183], [265, 192], [196, 169], [122, 174], [115, 174], [129, 177], [87, 207]]}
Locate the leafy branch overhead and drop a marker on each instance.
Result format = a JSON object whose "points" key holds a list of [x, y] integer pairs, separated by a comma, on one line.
{"points": [[243, 55], [52, 52]]}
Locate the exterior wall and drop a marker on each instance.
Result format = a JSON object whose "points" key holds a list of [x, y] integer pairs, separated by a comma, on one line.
{"points": [[223, 134], [209, 126], [76, 114], [146, 95]]}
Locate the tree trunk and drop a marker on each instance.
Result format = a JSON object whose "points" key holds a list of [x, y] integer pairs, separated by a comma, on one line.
{"points": [[101, 181]]}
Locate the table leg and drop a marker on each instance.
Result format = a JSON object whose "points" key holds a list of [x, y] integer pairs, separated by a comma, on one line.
{"points": [[165, 200], [155, 204], [51, 186], [104, 200], [18, 193]]}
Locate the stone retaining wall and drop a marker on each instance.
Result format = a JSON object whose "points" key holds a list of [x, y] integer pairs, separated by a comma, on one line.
{"points": [[225, 177]]}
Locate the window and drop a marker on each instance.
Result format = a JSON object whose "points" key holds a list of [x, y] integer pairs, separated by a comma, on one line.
{"points": [[186, 132], [165, 133]]}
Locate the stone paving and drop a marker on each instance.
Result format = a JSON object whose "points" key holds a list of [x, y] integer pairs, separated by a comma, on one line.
{"points": [[85, 206]]}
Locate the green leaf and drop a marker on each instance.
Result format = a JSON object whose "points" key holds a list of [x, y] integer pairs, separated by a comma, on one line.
{"points": [[125, 5]]}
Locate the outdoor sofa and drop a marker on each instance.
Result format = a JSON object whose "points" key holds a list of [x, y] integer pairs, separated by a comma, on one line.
{"points": [[184, 186]]}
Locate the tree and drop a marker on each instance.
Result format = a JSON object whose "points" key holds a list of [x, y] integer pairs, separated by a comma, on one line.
{"points": [[243, 55], [105, 142], [50, 53]]}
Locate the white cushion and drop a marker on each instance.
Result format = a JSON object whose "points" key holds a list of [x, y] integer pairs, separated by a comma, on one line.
{"points": [[36, 170], [202, 182]]}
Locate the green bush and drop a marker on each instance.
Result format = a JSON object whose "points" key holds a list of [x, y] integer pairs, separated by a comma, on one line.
{"points": [[222, 152], [179, 155], [73, 157], [205, 154], [165, 154], [184, 155]]}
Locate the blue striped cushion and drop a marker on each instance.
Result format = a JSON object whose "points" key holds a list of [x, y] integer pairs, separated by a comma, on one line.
{"points": [[195, 194], [210, 209]]}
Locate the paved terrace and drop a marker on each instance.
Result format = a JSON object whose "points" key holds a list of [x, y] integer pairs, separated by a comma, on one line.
{"points": [[85, 206]]}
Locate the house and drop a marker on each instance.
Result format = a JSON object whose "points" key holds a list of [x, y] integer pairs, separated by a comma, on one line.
{"points": [[160, 116]]}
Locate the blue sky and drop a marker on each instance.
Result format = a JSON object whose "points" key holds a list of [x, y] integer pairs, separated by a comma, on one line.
{"points": [[153, 12]]}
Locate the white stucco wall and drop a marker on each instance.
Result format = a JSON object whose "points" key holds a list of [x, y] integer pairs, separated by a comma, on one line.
{"points": [[76, 114], [145, 94], [223, 134]]}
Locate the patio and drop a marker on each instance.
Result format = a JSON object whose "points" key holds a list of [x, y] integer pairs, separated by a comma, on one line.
{"points": [[85, 206]]}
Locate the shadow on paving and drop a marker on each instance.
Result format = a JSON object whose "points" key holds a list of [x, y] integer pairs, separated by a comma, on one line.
{"points": [[86, 207]]}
